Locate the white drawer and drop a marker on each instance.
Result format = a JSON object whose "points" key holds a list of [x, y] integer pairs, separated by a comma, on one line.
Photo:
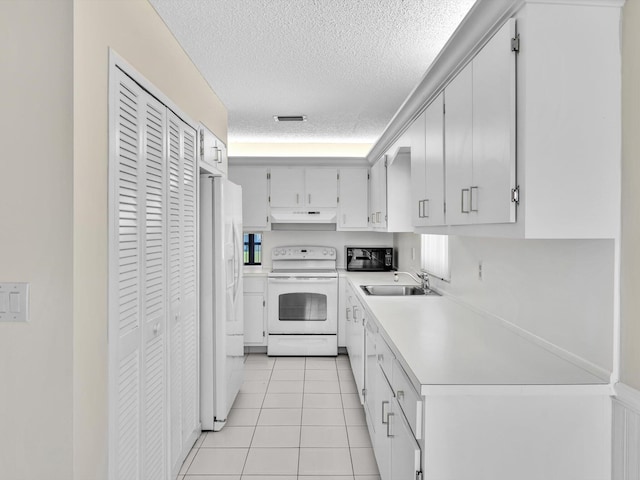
{"points": [[254, 284], [408, 399], [385, 357]]}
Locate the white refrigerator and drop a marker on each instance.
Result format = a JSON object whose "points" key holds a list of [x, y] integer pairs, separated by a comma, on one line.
{"points": [[221, 299]]}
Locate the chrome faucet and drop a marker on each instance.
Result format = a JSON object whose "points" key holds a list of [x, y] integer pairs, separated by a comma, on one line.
{"points": [[424, 277]]}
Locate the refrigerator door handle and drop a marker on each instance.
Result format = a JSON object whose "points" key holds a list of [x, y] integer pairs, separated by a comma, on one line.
{"points": [[236, 263]]}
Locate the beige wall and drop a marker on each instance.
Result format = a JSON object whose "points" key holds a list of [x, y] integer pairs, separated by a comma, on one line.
{"points": [[134, 30], [36, 238], [630, 256]]}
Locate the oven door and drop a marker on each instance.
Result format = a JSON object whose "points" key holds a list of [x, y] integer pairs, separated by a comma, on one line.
{"points": [[303, 305]]}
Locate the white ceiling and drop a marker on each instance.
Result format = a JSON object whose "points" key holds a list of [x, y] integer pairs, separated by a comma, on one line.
{"points": [[346, 64]]}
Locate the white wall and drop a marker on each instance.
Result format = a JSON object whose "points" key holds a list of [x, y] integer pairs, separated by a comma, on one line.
{"points": [[630, 261], [36, 238], [322, 238], [559, 290]]}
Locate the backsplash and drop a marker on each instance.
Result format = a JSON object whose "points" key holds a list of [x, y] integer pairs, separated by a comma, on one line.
{"points": [[323, 238], [559, 290]]}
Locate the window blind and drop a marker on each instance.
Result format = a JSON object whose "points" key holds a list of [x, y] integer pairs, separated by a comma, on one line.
{"points": [[435, 256]]}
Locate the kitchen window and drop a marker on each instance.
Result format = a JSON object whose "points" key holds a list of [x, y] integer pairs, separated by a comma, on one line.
{"points": [[253, 249], [435, 256]]}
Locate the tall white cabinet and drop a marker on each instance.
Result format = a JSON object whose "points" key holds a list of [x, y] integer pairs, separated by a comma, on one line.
{"points": [[153, 368], [480, 135], [255, 196]]}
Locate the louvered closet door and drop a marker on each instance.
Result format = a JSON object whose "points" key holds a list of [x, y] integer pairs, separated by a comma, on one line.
{"points": [[190, 372], [137, 316], [154, 294], [176, 353], [182, 278]]}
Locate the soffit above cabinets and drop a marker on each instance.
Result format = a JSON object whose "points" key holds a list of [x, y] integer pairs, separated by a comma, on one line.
{"points": [[346, 65]]}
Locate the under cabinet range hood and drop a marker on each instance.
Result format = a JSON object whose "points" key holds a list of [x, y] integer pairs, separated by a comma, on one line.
{"points": [[302, 216]]}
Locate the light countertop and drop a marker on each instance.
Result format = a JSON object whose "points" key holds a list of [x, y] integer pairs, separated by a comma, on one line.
{"points": [[445, 343]]}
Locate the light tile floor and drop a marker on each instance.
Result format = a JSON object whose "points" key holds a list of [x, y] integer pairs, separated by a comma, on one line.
{"points": [[295, 418]]}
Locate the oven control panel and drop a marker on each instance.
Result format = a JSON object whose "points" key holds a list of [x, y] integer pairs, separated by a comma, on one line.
{"points": [[304, 253]]}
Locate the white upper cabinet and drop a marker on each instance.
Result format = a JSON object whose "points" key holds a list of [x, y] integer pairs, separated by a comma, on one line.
{"points": [[308, 187], [517, 92], [353, 186], [390, 189], [480, 136], [287, 187], [494, 129], [255, 196], [459, 147], [321, 187], [426, 136], [378, 194], [212, 152]]}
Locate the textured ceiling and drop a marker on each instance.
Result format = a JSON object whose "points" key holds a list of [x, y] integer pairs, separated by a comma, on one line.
{"points": [[346, 64]]}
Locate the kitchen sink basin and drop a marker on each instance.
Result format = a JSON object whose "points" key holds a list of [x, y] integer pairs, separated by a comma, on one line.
{"points": [[396, 290]]}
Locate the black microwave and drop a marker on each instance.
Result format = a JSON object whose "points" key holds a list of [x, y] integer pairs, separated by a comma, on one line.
{"points": [[369, 259]]}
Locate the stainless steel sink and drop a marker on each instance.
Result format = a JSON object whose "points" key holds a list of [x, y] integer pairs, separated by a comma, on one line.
{"points": [[396, 290]]}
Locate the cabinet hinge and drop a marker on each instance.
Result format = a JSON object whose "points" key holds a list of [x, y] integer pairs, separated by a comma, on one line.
{"points": [[269, 198], [268, 176], [445, 207], [338, 176], [444, 108], [419, 475], [515, 43], [267, 219], [338, 200], [364, 392], [201, 145], [264, 303], [264, 334], [515, 194], [368, 176]]}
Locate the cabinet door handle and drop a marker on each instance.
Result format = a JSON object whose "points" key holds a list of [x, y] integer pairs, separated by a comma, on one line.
{"points": [[462, 210], [348, 312], [389, 416], [471, 199], [425, 208], [355, 313], [385, 419], [419, 208]]}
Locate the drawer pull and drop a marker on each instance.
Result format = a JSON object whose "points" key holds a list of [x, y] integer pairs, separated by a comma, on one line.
{"points": [[400, 394], [385, 417], [389, 416]]}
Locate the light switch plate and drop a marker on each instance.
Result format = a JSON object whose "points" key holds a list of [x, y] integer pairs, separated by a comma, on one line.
{"points": [[14, 302]]}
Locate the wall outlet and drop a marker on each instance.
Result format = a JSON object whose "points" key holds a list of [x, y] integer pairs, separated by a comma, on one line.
{"points": [[480, 271]]}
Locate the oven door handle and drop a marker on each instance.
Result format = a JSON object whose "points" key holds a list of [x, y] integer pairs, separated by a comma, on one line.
{"points": [[302, 279]]}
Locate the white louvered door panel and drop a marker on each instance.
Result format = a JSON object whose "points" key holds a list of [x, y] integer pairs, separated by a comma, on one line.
{"points": [[184, 393], [176, 353], [190, 370], [124, 282], [155, 429], [138, 286]]}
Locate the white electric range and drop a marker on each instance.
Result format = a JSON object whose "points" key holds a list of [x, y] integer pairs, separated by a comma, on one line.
{"points": [[303, 301]]}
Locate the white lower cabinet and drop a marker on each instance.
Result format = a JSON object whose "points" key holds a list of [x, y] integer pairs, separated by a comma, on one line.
{"points": [[355, 340], [255, 311], [397, 453]]}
